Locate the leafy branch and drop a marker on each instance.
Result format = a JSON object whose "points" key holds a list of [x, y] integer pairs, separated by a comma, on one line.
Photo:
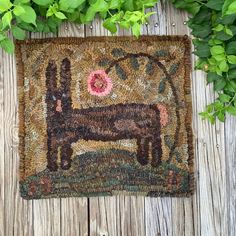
{"points": [[19, 16], [213, 25]]}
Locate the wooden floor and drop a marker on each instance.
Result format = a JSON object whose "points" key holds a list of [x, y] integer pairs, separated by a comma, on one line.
{"points": [[210, 212]]}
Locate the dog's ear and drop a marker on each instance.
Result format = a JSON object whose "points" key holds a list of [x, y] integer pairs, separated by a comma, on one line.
{"points": [[51, 76], [65, 75]]}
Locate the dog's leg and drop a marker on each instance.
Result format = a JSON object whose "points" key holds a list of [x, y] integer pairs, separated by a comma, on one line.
{"points": [[142, 152], [52, 154], [156, 151], [66, 154]]}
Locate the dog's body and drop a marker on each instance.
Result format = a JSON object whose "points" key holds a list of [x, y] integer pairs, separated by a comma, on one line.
{"points": [[66, 125]]}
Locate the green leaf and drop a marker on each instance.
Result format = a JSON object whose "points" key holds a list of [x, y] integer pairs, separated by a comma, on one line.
{"points": [[211, 76], [2, 36], [231, 59], [223, 66], [215, 4], [226, 5], [191, 7], [100, 6], [44, 2], [213, 42], [230, 86], [133, 16], [21, 1], [108, 24], [202, 17], [202, 48], [53, 24], [221, 116], [5, 5], [215, 50], [232, 74], [136, 29], [6, 19], [223, 36], [26, 26], [224, 97], [29, 16], [139, 4], [203, 115], [211, 118], [7, 45], [125, 24], [220, 57], [89, 14], [229, 32], [229, 19], [116, 4], [65, 5], [219, 84], [129, 5], [51, 11], [18, 10], [18, 33], [60, 15], [231, 9], [231, 110], [219, 27], [231, 48], [201, 31]]}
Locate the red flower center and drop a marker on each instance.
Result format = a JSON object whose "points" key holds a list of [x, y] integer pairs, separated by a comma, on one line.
{"points": [[98, 83]]}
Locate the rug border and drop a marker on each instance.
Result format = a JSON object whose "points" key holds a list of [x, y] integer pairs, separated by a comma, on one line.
{"points": [[77, 40]]}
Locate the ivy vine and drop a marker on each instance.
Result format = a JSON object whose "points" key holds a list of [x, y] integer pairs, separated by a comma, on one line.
{"points": [[213, 24], [46, 16]]}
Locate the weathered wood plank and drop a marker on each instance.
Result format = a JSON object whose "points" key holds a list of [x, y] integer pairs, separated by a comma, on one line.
{"points": [[46, 217], [230, 150], [210, 206], [132, 215], [103, 216], [74, 211], [2, 164], [158, 220]]}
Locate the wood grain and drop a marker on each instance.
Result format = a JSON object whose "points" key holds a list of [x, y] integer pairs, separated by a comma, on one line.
{"points": [[1, 149], [230, 149], [210, 212]]}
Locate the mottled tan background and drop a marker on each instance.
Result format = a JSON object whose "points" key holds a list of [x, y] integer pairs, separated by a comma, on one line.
{"points": [[84, 57]]}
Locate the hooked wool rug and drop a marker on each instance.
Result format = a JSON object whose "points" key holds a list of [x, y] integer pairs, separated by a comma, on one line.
{"points": [[105, 116]]}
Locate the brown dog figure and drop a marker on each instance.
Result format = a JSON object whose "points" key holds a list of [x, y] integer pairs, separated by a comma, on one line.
{"points": [[66, 125]]}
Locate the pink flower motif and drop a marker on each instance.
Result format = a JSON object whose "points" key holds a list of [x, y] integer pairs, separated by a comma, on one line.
{"points": [[164, 117], [99, 84]]}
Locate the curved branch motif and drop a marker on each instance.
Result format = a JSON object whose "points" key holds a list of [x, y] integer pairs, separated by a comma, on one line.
{"points": [[169, 80]]}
